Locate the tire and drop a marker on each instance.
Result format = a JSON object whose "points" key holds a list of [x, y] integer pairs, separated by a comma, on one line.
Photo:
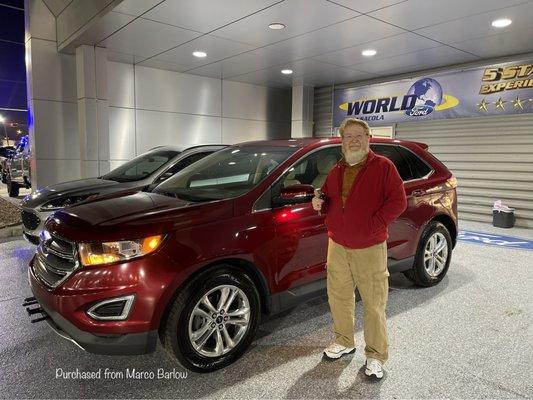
{"points": [[432, 271], [178, 331], [12, 188]]}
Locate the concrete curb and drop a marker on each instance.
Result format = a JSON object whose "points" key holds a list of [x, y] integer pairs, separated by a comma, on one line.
{"points": [[11, 231]]}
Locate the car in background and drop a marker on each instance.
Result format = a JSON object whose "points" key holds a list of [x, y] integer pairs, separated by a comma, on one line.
{"points": [[18, 170], [149, 168], [197, 260], [6, 152]]}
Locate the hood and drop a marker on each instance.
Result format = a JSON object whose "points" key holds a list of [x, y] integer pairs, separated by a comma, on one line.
{"points": [[73, 188], [133, 216]]}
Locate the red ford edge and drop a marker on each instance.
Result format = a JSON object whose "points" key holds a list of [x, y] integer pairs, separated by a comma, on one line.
{"points": [[200, 258]]}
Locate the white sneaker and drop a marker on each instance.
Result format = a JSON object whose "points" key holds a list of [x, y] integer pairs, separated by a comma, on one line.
{"points": [[374, 367], [335, 351]]}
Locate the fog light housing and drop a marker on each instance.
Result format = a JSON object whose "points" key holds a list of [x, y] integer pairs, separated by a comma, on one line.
{"points": [[115, 309]]}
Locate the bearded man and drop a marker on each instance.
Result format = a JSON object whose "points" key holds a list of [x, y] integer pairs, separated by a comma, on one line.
{"points": [[362, 195]]}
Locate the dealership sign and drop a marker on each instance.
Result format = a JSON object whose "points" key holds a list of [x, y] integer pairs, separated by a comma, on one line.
{"points": [[495, 90]]}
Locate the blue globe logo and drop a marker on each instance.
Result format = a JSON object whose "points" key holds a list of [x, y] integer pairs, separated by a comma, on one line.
{"points": [[428, 92]]}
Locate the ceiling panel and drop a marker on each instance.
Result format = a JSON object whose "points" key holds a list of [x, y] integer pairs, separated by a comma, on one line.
{"points": [[299, 68], [364, 6], [136, 7], [120, 57], [513, 42], [306, 72], [322, 42], [205, 15], [415, 61], [57, 6], [215, 47], [396, 45], [263, 78], [144, 38], [479, 25], [415, 14], [101, 29], [355, 31], [334, 75], [299, 16], [243, 63]]}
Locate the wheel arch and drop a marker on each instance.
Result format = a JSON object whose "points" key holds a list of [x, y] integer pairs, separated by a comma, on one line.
{"points": [[251, 270], [448, 222]]}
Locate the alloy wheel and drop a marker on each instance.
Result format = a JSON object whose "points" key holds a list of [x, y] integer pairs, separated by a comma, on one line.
{"points": [[435, 254], [219, 321]]}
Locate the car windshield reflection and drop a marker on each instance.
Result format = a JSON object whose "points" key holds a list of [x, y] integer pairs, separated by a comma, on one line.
{"points": [[228, 173]]}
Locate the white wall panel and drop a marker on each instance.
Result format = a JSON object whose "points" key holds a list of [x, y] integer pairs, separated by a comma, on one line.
{"points": [[53, 75], [54, 171], [121, 133], [90, 169], [161, 90], [116, 164], [40, 22], [162, 128], [56, 130], [241, 130], [120, 78], [88, 129], [241, 100]]}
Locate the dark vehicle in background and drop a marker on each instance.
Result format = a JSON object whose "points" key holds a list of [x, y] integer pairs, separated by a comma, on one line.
{"points": [[18, 171], [199, 259], [152, 167], [6, 152]]}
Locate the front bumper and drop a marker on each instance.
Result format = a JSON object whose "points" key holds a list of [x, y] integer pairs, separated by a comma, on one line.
{"points": [[110, 344]]}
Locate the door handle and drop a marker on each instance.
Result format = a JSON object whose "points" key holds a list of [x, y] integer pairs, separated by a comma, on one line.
{"points": [[418, 192]]}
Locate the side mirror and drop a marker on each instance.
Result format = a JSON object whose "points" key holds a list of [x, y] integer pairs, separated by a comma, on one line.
{"points": [[295, 194], [164, 176]]}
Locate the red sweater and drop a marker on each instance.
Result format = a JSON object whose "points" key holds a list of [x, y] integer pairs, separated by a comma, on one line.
{"points": [[377, 198]]}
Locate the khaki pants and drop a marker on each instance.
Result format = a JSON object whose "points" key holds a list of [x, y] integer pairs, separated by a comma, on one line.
{"points": [[367, 270]]}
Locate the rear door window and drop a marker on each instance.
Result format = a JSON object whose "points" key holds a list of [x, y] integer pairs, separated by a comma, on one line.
{"points": [[392, 153], [418, 167]]}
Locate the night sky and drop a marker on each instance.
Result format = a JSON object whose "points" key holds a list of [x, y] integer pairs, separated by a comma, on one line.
{"points": [[12, 68]]}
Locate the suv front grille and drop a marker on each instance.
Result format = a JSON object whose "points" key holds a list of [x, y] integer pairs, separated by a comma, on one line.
{"points": [[55, 261], [30, 220]]}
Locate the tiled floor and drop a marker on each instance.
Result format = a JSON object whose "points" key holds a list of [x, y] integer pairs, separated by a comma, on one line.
{"points": [[468, 337]]}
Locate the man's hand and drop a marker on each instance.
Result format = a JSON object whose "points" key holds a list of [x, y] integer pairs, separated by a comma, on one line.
{"points": [[318, 200]]}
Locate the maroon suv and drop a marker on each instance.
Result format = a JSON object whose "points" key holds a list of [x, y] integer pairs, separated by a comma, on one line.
{"points": [[198, 260]]}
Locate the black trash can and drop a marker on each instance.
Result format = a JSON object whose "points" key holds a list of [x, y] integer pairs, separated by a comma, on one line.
{"points": [[503, 219]]}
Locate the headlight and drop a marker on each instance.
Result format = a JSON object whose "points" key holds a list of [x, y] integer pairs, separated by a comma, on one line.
{"points": [[110, 252], [65, 202]]}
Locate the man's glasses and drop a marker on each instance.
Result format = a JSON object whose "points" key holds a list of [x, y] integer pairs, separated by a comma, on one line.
{"points": [[353, 138]]}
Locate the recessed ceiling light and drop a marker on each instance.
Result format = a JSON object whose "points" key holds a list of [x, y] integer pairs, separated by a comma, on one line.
{"points": [[276, 26], [286, 71], [501, 23], [199, 54], [369, 52]]}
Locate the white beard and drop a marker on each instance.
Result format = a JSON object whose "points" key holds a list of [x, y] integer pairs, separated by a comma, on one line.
{"points": [[355, 157]]}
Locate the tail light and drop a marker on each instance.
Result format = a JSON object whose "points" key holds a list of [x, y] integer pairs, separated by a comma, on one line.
{"points": [[452, 182]]}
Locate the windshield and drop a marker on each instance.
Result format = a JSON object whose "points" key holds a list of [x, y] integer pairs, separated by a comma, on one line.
{"points": [[142, 166], [226, 173], [7, 152]]}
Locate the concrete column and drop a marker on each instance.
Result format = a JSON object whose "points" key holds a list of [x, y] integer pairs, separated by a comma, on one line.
{"points": [[302, 111], [93, 119], [52, 101]]}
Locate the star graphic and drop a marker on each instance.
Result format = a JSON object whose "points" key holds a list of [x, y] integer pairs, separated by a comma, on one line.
{"points": [[518, 103], [483, 105], [500, 104]]}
